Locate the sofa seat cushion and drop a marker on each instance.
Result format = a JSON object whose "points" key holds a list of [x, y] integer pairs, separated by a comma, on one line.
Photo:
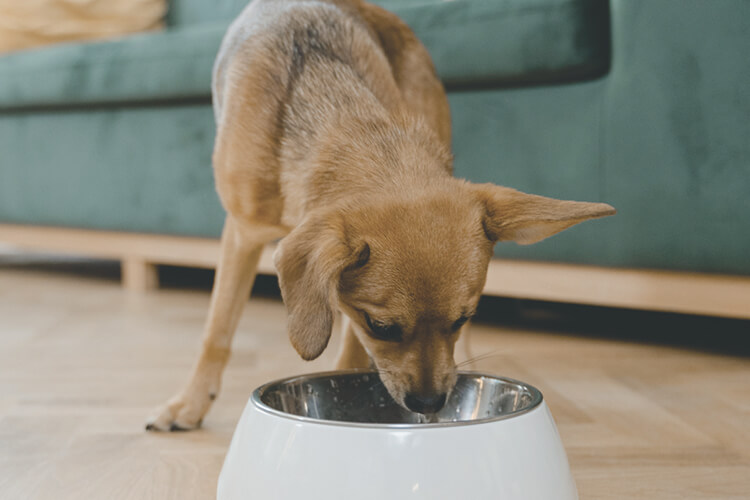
{"points": [[175, 64], [473, 43]]}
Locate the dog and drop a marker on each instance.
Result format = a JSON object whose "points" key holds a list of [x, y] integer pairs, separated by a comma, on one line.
{"points": [[333, 135]]}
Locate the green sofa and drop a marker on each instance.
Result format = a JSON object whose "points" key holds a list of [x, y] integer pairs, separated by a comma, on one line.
{"points": [[644, 104]]}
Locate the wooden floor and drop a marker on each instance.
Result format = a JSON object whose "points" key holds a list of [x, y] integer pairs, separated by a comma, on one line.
{"points": [[82, 362]]}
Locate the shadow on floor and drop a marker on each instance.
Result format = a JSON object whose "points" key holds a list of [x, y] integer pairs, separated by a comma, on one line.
{"points": [[704, 333], [40, 263]]}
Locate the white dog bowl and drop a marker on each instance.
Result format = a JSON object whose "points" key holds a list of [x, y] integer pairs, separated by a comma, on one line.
{"points": [[340, 436]]}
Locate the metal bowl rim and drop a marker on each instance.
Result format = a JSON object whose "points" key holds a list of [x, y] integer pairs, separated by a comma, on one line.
{"points": [[536, 401]]}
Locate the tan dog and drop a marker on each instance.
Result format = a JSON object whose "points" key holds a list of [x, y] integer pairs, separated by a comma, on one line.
{"points": [[334, 129]]}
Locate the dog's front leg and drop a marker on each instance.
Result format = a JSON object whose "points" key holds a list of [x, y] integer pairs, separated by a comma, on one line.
{"points": [[235, 274], [351, 355]]}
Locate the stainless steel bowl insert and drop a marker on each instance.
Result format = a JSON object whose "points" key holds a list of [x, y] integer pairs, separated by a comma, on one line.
{"points": [[360, 399]]}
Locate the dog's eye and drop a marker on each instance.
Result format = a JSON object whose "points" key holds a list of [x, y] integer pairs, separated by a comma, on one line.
{"points": [[382, 331], [459, 323]]}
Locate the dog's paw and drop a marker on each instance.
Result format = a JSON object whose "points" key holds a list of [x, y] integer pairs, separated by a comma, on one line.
{"points": [[182, 413]]}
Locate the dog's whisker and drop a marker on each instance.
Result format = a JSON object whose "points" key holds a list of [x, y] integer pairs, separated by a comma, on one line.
{"points": [[481, 357]]}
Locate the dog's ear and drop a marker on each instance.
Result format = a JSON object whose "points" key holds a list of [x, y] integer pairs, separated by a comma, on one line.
{"points": [[309, 262], [511, 215]]}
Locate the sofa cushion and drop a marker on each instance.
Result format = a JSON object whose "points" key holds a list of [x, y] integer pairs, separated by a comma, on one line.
{"points": [[191, 12], [175, 64], [477, 42], [512, 42], [473, 43]]}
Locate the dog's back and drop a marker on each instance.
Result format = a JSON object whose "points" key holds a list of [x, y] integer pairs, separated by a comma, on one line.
{"points": [[327, 40], [315, 66]]}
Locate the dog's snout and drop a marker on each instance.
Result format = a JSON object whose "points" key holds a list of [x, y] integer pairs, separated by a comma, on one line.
{"points": [[425, 404]]}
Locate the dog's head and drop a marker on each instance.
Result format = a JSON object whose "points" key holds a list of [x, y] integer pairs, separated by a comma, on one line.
{"points": [[409, 274]]}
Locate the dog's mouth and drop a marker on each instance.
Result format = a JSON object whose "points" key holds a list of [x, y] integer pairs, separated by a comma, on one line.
{"points": [[425, 404]]}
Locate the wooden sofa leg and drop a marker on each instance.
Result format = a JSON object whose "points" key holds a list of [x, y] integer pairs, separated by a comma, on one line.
{"points": [[138, 275]]}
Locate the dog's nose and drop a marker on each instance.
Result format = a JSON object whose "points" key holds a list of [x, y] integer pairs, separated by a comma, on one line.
{"points": [[425, 404]]}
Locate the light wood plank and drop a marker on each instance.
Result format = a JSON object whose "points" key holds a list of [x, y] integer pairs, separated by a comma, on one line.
{"points": [[695, 293], [156, 248]]}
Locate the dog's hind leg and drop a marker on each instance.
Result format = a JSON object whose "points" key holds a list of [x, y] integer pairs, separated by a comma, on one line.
{"points": [[412, 70], [235, 274]]}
